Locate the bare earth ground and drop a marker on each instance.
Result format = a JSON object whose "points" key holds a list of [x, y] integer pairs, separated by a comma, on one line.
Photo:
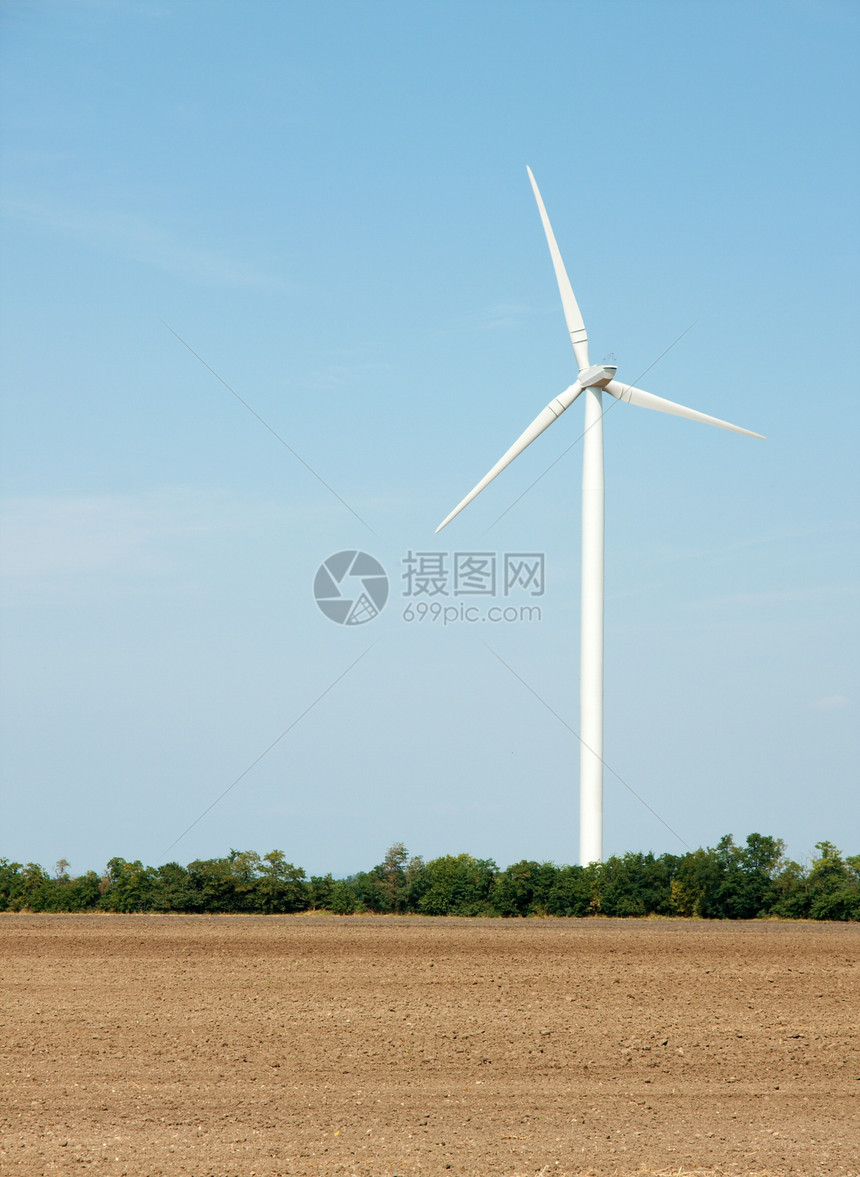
{"points": [[392, 1047]]}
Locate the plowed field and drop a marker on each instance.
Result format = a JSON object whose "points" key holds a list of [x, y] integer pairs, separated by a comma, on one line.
{"points": [[393, 1047]]}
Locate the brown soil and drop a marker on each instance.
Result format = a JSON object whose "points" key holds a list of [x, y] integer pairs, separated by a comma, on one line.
{"points": [[392, 1047]]}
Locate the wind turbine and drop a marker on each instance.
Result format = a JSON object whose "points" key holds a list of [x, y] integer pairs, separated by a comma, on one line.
{"points": [[593, 380]]}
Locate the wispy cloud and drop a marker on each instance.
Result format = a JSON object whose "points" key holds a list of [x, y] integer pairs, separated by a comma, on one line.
{"points": [[63, 537], [838, 590], [132, 236], [837, 536], [56, 543], [126, 7], [830, 703], [338, 375], [505, 315]]}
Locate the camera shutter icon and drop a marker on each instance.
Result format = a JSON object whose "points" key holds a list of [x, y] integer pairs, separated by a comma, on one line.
{"points": [[351, 588]]}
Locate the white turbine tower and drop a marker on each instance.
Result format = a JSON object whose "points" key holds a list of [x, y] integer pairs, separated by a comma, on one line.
{"points": [[593, 380]]}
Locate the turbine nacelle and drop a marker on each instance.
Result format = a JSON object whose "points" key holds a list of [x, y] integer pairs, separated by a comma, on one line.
{"points": [[597, 376]]}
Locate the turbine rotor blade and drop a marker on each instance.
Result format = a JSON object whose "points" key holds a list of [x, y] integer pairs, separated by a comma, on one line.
{"points": [[572, 313], [542, 421], [647, 400]]}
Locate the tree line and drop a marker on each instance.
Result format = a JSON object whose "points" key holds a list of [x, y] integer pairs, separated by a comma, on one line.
{"points": [[728, 881]]}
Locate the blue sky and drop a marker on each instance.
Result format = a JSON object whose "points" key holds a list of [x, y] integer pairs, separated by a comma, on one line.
{"points": [[328, 203]]}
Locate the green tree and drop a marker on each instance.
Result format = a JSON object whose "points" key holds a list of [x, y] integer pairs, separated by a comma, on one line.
{"points": [[368, 895], [82, 893], [834, 885], [391, 886], [457, 885], [173, 889], [637, 885], [392, 877], [39, 889], [791, 898], [395, 877], [572, 891], [321, 888], [213, 884], [281, 887], [127, 886], [343, 900], [696, 884], [11, 884], [337, 896], [524, 889]]}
